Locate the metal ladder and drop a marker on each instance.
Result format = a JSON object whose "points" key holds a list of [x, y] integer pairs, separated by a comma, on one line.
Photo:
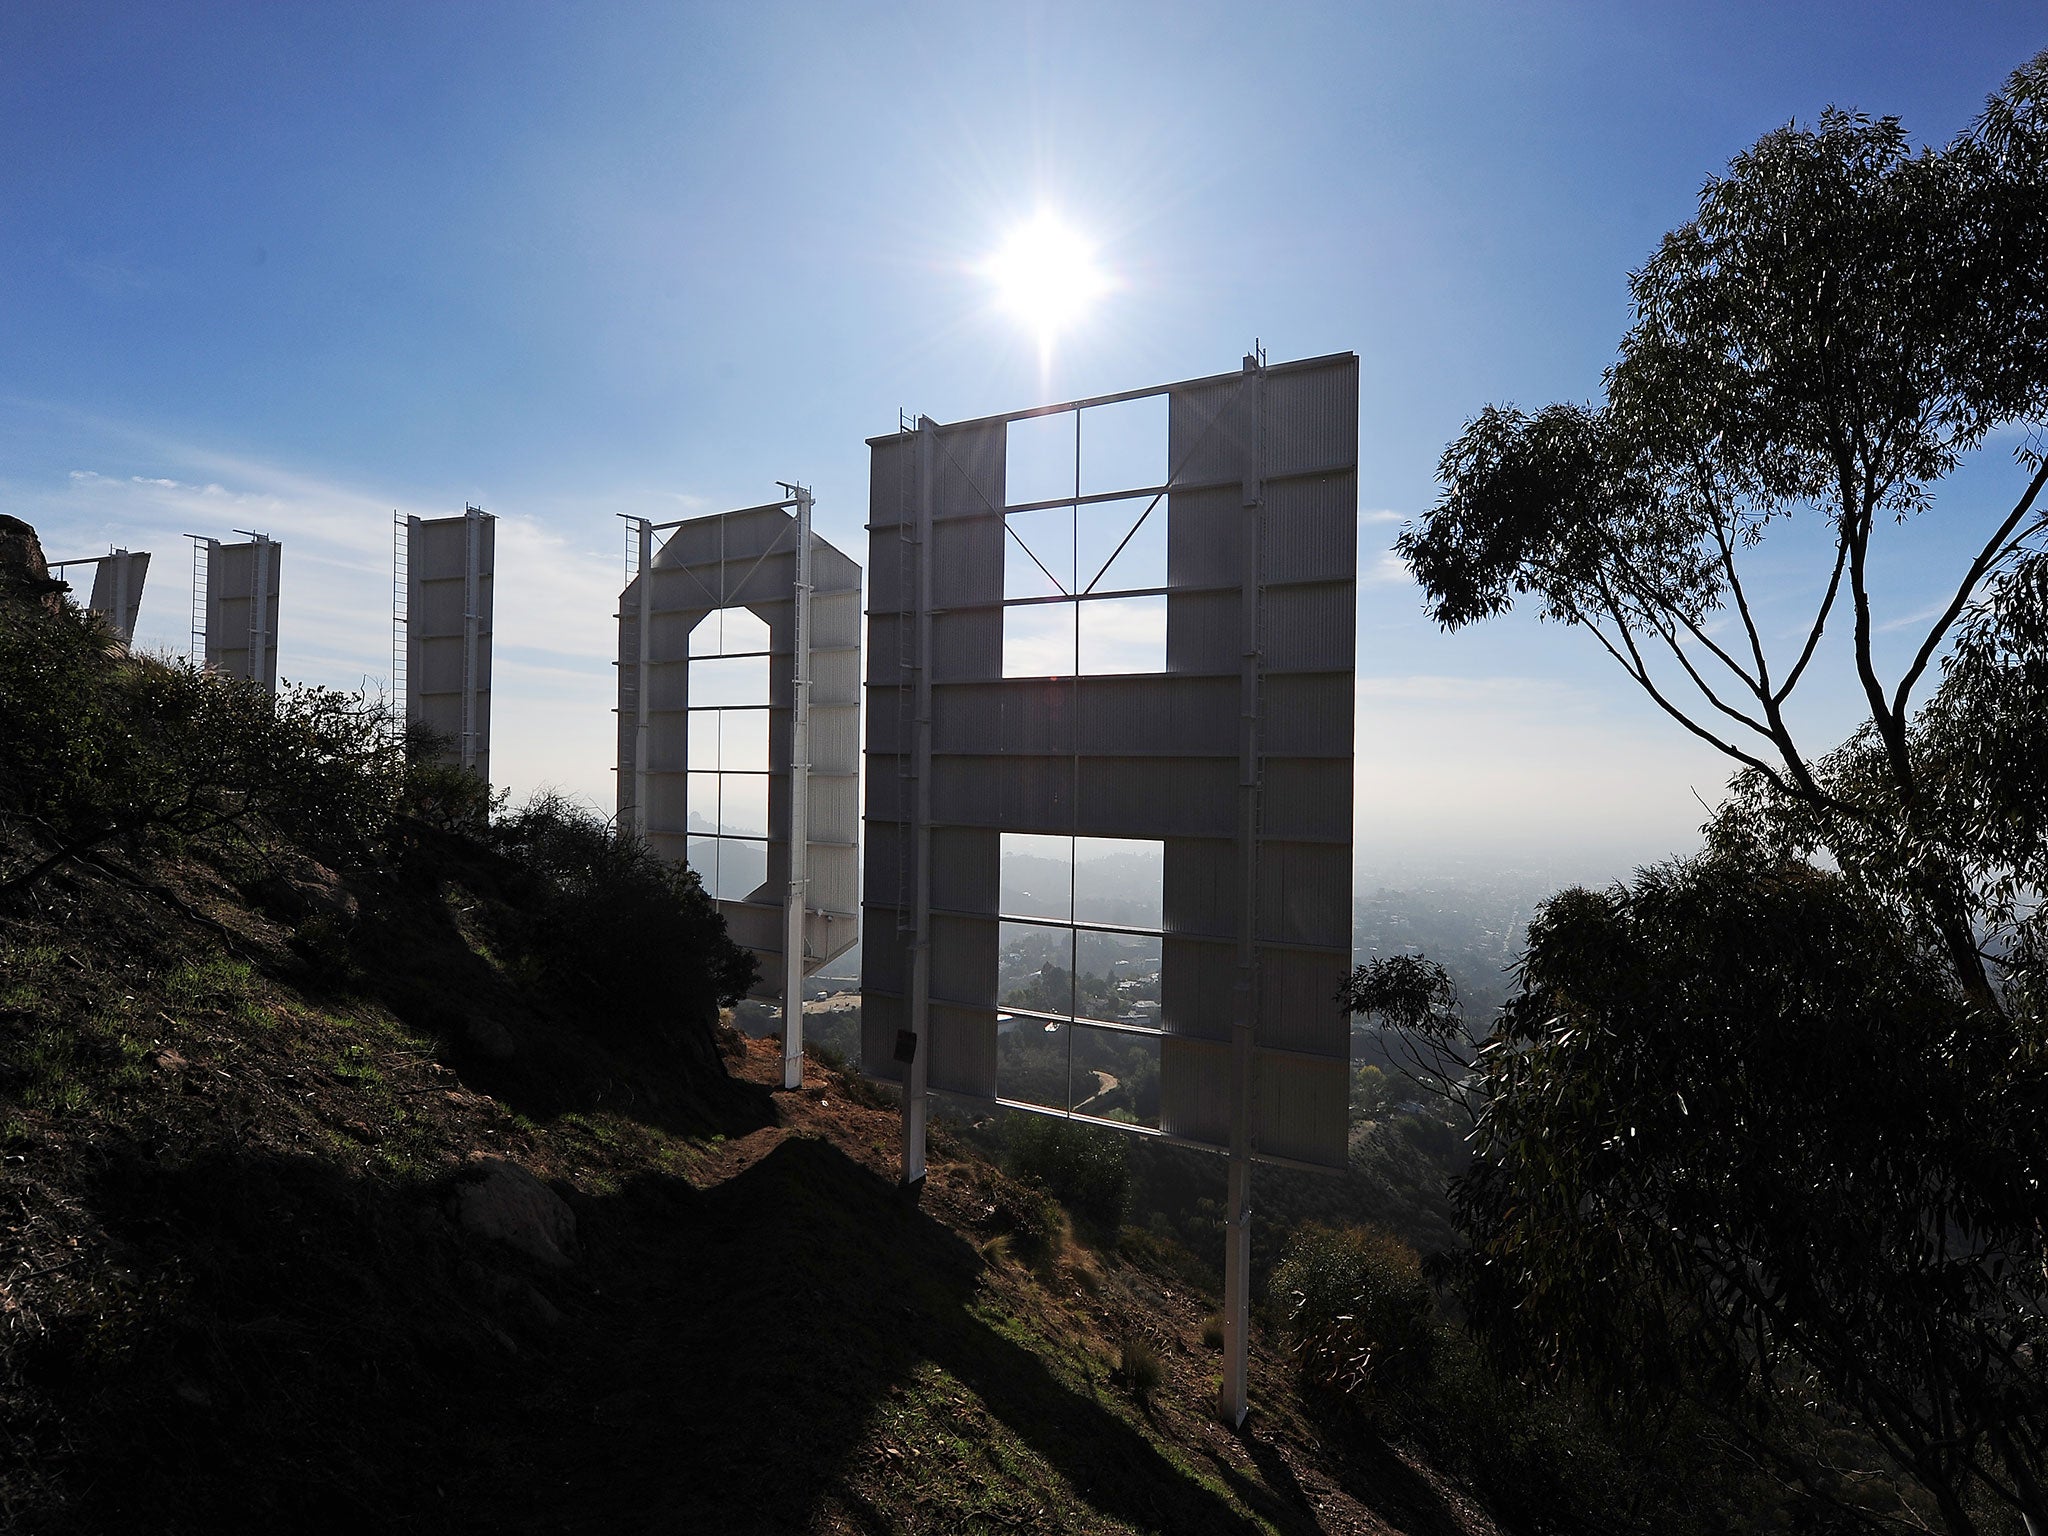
{"points": [[401, 592], [906, 672]]}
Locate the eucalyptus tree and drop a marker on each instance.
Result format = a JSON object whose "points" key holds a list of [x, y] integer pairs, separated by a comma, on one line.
{"points": [[1772, 1126], [1844, 322]]}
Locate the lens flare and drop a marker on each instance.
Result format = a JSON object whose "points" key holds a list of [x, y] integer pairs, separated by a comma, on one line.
{"points": [[1046, 275]]}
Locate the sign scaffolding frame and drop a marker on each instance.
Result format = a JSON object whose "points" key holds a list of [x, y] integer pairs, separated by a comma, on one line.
{"points": [[1235, 757]]}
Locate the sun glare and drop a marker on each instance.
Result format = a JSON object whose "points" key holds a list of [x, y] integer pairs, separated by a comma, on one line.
{"points": [[1046, 276]]}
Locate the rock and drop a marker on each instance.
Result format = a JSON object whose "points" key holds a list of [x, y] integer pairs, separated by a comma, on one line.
{"points": [[490, 1038], [499, 1200], [24, 571], [308, 889]]}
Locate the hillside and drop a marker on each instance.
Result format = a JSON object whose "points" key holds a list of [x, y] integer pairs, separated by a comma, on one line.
{"points": [[375, 1162], [253, 1281]]}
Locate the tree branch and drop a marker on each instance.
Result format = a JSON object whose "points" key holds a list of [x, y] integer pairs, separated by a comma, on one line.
{"points": [[1994, 548]]}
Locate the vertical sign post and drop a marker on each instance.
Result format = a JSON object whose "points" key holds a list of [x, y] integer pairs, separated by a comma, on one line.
{"points": [[917, 1072], [1245, 1012], [644, 686], [472, 620], [795, 908]]}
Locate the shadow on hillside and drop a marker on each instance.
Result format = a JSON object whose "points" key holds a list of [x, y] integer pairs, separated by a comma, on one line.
{"points": [[280, 1346], [565, 1055], [753, 1357]]}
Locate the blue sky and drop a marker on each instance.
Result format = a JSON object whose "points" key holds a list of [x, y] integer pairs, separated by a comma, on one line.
{"points": [[292, 267]]}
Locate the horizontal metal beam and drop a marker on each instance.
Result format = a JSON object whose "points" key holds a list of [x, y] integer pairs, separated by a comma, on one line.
{"points": [[1211, 381]]}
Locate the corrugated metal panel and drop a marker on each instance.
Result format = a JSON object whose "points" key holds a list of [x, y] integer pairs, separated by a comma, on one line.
{"points": [[1194, 1090], [885, 959], [1307, 798], [1028, 715], [834, 675], [967, 646], [963, 1046], [1210, 435], [1299, 1009], [964, 960], [966, 864], [1159, 797], [888, 795], [1197, 984], [231, 579], [967, 561], [835, 885], [888, 721], [835, 610], [835, 807], [765, 585], [1202, 631], [1303, 1109], [892, 491], [881, 1016], [1201, 885], [758, 929], [1305, 894], [835, 738], [1019, 794], [1310, 530], [886, 656], [1308, 714], [968, 470], [668, 741], [883, 842], [1312, 419], [1311, 629], [890, 572], [1155, 717], [1205, 537]]}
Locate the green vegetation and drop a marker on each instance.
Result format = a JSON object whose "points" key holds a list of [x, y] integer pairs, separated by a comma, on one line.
{"points": [[1084, 1167], [1759, 1137]]}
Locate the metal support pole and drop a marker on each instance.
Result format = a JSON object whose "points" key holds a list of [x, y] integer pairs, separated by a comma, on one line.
{"points": [[915, 1106], [472, 619], [406, 601], [795, 908], [643, 684], [259, 611], [1244, 1015], [122, 627]]}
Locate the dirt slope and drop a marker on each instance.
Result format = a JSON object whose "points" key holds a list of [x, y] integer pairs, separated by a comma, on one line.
{"points": [[250, 1281]]}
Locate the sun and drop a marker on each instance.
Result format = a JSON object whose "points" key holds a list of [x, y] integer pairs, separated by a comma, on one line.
{"points": [[1046, 276]]}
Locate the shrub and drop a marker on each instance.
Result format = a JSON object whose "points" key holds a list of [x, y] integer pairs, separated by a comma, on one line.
{"points": [[103, 748], [1084, 1167], [1362, 1318], [615, 927], [1140, 1366]]}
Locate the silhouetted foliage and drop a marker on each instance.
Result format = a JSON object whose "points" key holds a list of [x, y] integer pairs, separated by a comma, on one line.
{"points": [[1739, 1133], [1362, 1318], [104, 748], [1760, 1136], [1084, 1167], [1842, 323], [615, 924]]}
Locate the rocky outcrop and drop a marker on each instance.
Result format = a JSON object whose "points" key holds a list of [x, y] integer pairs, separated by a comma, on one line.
{"points": [[501, 1201], [24, 570]]}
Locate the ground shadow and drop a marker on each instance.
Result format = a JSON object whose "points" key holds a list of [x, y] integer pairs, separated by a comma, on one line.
{"points": [[281, 1346], [751, 1357]]}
